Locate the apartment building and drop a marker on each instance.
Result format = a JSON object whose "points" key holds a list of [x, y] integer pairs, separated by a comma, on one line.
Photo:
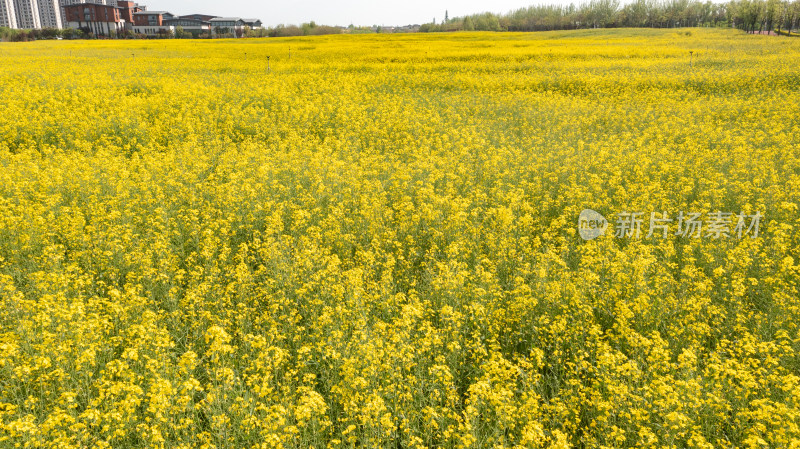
{"points": [[50, 14], [27, 14], [8, 14], [30, 14]]}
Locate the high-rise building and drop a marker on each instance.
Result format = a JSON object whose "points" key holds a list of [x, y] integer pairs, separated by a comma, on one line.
{"points": [[50, 14], [8, 14], [27, 14]]}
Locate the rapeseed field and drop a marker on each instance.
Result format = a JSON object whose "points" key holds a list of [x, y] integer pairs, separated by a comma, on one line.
{"points": [[373, 242]]}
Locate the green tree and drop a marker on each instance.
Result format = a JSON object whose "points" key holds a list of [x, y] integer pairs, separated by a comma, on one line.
{"points": [[308, 28], [794, 14], [487, 22], [771, 14], [636, 13], [469, 25]]}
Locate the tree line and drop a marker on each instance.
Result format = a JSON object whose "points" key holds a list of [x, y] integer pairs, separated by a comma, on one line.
{"points": [[781, 16]]}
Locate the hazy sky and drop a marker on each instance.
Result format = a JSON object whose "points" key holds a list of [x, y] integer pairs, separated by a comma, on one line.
{"points": [[357, 12]]}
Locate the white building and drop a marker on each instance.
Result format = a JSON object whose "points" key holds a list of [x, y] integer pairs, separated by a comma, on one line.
{"points": [[227, 25], [27, 14], [8, 14], [50, 14], [189, 25], [30, 14]]}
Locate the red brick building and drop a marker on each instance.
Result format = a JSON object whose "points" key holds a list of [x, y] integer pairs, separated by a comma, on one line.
{"points": [[127, 9], [102, 20], [106, 20], [150, 18], [153, 23]]}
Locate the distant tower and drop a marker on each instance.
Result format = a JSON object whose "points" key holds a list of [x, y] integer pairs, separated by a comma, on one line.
{"points": [[446, 17], [8, 14]]}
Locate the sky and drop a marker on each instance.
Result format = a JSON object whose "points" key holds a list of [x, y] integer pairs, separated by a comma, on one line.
{"points": [[356, 12]]}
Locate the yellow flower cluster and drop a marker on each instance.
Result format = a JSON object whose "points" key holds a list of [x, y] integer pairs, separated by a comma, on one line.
{"points": [[373, 242]]}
